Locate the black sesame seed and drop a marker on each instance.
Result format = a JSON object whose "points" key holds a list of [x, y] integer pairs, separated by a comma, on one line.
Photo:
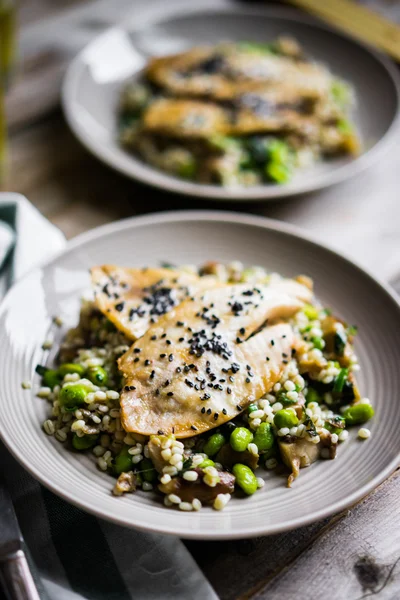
{"points": [[209, 411], [188, 383], [180, 324], [239, 407], [168, 342], [166, 383], [248, 367], [206, 397], [267, 358], [137, 350], [119, 307], [170, 394], [224, 411], [216, 415], [171, 357], [152, 374], [163, 355], [132, 388], [203, 410], [181, 339], [238, 340], [193, 427], [157, 392], [242, 331], [160, 432], [126, 388], [178, 369], [147, 362], [228, 390], [272, 343], [153, 337], [136, 359], [231, 379], [247, 380], [164, 335]]}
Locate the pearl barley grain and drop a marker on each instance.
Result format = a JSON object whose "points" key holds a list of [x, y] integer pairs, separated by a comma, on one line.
{"points": [[364, 433]]}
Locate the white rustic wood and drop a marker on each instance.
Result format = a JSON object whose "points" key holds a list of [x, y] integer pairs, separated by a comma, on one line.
{"points": [[358, 557]]}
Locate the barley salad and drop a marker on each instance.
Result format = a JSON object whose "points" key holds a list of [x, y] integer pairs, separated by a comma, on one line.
{"points": [[191, 382], [237, 114]]}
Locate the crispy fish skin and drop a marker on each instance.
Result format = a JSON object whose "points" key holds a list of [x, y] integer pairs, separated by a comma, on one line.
{"points": [[199, 356], [134, 298]]}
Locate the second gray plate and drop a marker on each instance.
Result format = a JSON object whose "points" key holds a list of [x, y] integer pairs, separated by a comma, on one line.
{"points": [[95, 78]]}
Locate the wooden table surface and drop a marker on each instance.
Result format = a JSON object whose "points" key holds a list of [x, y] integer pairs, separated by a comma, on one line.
{"points": [[351, 556]]}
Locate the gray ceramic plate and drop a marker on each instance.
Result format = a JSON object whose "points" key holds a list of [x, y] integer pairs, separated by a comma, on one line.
{"points": [[194, 237], [95, 78]]}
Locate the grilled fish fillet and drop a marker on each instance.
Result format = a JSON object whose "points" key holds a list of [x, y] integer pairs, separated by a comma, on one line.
{"points": [[221, 74], [186, 118], [133, 299], [201, 365]]}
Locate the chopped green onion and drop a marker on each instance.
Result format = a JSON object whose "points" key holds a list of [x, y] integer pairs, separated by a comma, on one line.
{"points": [[340, 381]]}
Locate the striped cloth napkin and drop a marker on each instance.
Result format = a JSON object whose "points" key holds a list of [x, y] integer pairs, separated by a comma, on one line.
{"points": [[73, 555]]}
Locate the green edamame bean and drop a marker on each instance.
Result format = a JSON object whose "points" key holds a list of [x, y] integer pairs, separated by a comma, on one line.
{"points": [[84, 442], [240, 439], [66, 368], [97, 375], [251, 408], [311, 312], [318, 343], [51, 378], [207, 462], [123, 461], [73, 396], [214, 444], [285, 418], [245, 478], [264, 437], [358, 414], [148, 471]]}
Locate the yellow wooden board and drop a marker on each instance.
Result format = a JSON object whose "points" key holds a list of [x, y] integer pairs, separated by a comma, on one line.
{"points": [[357, 20]]}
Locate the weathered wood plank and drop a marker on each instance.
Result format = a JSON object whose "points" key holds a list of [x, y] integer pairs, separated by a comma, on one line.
{"points": [[359, 556]]}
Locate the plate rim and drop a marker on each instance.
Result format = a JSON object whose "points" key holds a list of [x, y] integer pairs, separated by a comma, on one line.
{"points": [[146, 174], [222, 217]]}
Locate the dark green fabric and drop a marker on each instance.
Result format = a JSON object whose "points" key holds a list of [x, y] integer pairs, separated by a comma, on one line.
{"points": [[83, 551]]}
